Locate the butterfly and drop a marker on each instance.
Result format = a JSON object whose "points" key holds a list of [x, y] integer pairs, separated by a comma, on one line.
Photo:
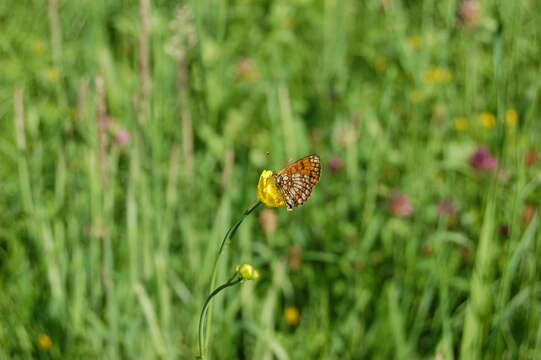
{"points": [[297, 181]]}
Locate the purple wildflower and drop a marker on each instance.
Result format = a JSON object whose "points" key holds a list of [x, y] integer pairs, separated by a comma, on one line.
{"points": [[482, 159], [335, 163], [446, 207], [469, 13], [122, 137], [531, 158], [400, 205]]}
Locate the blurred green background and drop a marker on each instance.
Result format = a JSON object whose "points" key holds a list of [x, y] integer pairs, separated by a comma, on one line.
{"points": [[133, 134]]}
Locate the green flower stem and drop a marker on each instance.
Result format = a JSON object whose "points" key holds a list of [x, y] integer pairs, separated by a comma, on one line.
{"points": [[233, 229], [231, 282], [228, 236]]}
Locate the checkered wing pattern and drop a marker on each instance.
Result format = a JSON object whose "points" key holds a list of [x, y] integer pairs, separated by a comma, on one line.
{"points": [[297, 181]]}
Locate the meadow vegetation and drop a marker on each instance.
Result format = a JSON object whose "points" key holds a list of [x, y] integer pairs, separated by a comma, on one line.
{"points": [[133, 134]]}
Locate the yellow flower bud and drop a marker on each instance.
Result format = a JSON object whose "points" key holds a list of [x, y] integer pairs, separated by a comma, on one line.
{"points": [[292, 315], [460, 123], [487, 119], [511, 117], [247, 272], [44, 342], [437, 76], [267, 191]]}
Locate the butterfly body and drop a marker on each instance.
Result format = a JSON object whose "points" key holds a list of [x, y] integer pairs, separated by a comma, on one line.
{"points": [[297, 181]]}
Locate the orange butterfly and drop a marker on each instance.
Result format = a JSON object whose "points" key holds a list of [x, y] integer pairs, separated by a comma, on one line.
{"points": [[297, 181]]}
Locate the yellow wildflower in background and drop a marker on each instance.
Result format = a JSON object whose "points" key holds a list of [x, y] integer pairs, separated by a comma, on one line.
{"points": [[39, 47], [44, 342], [292, 315], [267, 191], [53, 74], [511, 117], [414, 42], [247, 272], [487, 119], [437, 76], [460, 123]]}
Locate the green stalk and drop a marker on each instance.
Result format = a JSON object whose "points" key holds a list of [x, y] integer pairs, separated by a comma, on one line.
{"points": [[228, 236], [235, 279]]}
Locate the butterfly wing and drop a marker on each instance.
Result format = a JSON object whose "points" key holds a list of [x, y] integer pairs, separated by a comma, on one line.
{"points": [[297, 181]]}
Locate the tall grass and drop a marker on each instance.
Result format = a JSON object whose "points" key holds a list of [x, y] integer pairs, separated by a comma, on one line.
{"points": [[107, 247]]}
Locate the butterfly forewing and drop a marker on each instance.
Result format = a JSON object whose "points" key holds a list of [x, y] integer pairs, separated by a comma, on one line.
{"points": [[297, 181]]}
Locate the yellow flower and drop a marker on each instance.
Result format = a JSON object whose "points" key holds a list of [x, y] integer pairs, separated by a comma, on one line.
{"points": [[39, 47], [44, 342], [414, 42], [437, 76], [267, 191], [487, 119], [247, 272], [53, 74], [460, 123], [291, 315], [511, 117]]}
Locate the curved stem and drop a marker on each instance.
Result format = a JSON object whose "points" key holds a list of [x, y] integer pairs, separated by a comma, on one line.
{"points": [[233, 230], [228, 236], [231, 282]]}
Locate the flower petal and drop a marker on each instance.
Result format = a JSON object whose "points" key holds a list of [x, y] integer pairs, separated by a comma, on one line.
{"points": [[267, 191]]}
